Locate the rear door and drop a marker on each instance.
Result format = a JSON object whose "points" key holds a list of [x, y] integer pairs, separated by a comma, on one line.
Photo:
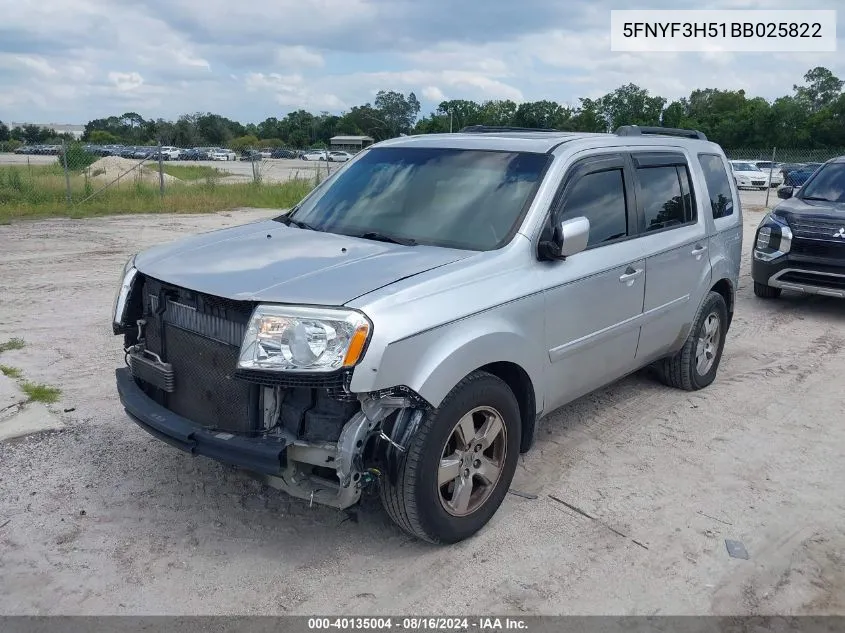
{"points": [[674, 242], [594, 299]]}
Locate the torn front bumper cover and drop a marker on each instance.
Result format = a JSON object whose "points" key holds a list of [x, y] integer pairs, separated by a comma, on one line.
{"points": [[283, 461]]}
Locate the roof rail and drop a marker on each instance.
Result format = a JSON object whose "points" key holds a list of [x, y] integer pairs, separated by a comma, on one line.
{"points": [[480, 129], [636, 130]]}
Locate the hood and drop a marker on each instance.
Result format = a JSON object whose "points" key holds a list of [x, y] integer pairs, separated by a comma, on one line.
{"points": [[268, 261], [812, 208], [751, 174]]}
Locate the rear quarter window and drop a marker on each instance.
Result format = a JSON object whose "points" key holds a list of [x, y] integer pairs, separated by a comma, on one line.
{"points": [[718, 185]]}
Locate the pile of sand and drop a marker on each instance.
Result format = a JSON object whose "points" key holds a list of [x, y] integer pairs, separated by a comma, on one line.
{"points": [[109, 168]]}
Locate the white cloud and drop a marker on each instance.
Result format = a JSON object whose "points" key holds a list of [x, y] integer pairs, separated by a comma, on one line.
{"points": [[36, 64], [298, 57], [433, 93], [126, 81]]}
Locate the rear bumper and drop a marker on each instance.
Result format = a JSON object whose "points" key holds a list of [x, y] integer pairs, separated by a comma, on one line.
{"points": [[262, 455], [808, 275]]}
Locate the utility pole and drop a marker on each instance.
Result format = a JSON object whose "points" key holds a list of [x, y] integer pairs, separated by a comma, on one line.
{"points": [[450, 120]]}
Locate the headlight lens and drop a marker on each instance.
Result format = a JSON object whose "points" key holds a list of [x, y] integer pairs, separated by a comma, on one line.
{"points": [[122, 295], [774, 238], [290, 338]]}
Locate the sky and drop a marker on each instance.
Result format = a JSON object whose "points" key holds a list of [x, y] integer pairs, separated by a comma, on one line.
{"points": [[70, 61]]}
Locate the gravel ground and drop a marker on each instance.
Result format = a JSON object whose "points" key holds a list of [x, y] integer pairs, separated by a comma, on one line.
{"points": [[101, 518]]}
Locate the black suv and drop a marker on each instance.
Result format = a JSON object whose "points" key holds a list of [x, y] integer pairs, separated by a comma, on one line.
{"points": [[800, 245]]}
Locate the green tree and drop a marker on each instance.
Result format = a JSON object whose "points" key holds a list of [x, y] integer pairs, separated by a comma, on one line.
{"points": [[630, 105], [542, 114], [4, 132], [101, 137], [397, 112], [822, 88], [673, 115], [243, 142], [587, 117]]}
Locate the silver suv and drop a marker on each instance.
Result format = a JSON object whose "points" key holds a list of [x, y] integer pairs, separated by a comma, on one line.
{"points": [[406, 326]]}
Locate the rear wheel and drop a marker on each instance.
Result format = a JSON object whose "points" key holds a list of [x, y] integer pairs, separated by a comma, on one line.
{"points": [[460, 463], [695, 365], [766, 292]]}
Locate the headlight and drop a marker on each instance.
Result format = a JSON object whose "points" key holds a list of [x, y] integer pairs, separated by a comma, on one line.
{"points": [[291, 338], [127, 278], [774, 238]]}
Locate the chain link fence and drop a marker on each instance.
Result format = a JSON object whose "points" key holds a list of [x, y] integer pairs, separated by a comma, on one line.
{"points": [[79, 179]]}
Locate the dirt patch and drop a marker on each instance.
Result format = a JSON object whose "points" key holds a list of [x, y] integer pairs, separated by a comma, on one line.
{"points": [[109, 168]]}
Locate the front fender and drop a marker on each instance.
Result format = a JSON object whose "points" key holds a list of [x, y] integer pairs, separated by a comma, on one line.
{"points": [[433, 362]]}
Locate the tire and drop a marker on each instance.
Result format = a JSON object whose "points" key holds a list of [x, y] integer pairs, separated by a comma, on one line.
{"points": [[766, 292], [682, 370], [414, 500]]}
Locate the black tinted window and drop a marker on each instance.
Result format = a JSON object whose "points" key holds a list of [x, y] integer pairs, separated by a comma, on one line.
{"points": [[599, 197], [665, 202], [718, 185], [829, 184]]}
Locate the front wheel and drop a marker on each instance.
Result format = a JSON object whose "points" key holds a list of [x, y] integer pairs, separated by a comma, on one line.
{"points": [[694, 366], [458, 466], [766, 292]]}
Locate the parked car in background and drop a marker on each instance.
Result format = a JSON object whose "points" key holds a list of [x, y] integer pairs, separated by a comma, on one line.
{"points": [[800, 244], [772, 171], [266, 153], [195, 153], [223, 154], [799, 174], [314, 155], [339, 156], [410, 338], [251, 155], [284, 153], [748, 176], [169, 152]]}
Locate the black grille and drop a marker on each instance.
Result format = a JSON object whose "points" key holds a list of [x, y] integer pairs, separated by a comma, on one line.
{"points": [[808, 278], [206, 390], [336, 383], [819, 249], [816, 228], [815, 237]]}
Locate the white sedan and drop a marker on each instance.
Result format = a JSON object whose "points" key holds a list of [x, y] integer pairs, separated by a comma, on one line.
{"points": [[748, 175], [223, 154], [314, 155], [339, 157], [768, 167]]}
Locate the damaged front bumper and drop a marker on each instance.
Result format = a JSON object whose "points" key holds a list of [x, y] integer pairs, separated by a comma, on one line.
{"points": [[285, 462]]}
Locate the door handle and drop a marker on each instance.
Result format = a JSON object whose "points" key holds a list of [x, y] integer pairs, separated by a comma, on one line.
{"points": [[629, 277], [698, 250]]}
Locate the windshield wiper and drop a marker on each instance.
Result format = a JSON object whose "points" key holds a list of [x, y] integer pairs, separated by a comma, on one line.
{"points": [[816, 198], [289, 221], [381, 237]]}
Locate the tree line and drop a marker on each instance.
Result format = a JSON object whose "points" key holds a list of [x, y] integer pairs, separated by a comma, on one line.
{"points": [[812, 117]]}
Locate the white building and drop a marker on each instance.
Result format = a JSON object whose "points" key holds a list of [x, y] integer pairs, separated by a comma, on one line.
{"points": [[60, 128], [350, 143]]}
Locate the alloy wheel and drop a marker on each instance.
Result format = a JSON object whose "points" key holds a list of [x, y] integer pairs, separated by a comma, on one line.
{"points": [[472, 461], [708, 344]]}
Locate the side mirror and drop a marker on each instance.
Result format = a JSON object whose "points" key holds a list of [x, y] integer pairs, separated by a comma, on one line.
{"points": [[786, 192], [569, 238]]}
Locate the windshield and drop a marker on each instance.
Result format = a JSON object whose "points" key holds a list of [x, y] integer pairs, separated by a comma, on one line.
{"points": [[745, 167], [469, 199], [828, 184]]}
